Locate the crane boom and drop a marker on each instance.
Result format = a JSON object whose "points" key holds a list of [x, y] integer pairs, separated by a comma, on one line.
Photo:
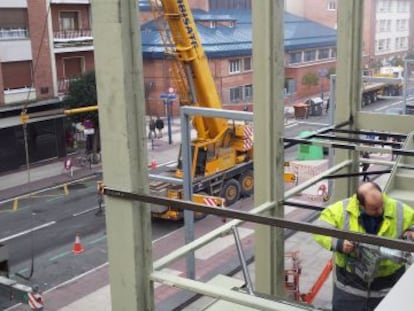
{"points": [[190, 54]]}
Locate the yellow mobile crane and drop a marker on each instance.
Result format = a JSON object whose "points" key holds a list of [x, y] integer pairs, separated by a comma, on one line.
{"points": [[222, 152]]}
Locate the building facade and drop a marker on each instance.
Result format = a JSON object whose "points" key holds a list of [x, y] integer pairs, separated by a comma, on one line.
{"points": [[388, 26], [43, 45]]}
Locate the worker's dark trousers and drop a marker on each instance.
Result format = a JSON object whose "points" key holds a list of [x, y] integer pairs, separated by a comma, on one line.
{"points": [[343, 301]]}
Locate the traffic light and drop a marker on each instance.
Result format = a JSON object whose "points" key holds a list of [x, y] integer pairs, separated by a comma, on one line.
{"points": [[24, 117]]}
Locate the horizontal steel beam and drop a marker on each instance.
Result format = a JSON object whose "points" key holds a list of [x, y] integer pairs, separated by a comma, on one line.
{"points": [[367, 132], [225, 294], [349, 146], [358, 140], [218, 113], [264, 220]]}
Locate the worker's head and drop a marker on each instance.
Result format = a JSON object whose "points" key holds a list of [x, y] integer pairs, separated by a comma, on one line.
{"points": [[369, 195]]}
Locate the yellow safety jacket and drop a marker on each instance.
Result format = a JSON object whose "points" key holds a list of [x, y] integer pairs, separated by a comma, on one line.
{"points": [[398, 217]]}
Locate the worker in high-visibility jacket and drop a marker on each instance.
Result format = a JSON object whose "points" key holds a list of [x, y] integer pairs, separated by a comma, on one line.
{"points": [[368, 211]]}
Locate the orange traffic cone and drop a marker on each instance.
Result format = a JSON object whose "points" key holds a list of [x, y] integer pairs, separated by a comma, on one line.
{"points": [[77, 246]]}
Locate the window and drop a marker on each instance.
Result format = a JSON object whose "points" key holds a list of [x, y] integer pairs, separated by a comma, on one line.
{"points": [[389, 25], [13, 18], [397, 43], [403, 24], [234, 66], [73, 67], [381, 6], [381, 45], [248, 92], [69, 21], [295, 57], [17, 75], [331, 5], [290, 86], [323, 53], [388, 44], [236, 94], [247, 64], [382, 25], [403, 43], [333, 53], [309, 55], [398, 25]]}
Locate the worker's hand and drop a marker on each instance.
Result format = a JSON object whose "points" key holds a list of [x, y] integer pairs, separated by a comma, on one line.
{"points": [[347, 247], [409, 235]]}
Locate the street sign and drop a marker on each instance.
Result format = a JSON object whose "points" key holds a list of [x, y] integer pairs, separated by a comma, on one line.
{"points": [[169, 96]]}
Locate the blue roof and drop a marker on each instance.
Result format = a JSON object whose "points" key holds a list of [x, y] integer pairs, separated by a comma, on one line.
{"points": [[223, 41]]}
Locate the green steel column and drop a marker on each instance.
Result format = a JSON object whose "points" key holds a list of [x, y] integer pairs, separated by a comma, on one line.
{"points": [[268, 78], [348, 82], [118, 60]]}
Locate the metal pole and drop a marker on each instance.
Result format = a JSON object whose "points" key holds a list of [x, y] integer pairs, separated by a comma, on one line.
{"points": [[168, 103], [405, 85], [246, 275], [188, 189]]}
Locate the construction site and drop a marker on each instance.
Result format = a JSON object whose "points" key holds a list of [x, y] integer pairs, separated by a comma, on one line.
{"points": [[264, 254]]}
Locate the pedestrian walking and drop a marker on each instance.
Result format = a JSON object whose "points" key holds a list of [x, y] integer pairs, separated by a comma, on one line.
{"points": [[370, 211], [365, 166], [159, 124], [152, 134], [100, 197]]}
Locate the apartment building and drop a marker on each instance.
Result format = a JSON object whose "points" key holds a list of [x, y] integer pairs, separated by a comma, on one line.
{"points": [[42, 46], [388, 25]]}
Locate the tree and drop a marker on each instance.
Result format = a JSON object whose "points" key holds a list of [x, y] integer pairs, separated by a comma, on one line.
{"points": [[310, 79], [82, 93]]}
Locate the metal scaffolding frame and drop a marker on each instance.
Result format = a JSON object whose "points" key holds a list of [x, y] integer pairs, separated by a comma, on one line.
{"points": [[120, 88]]}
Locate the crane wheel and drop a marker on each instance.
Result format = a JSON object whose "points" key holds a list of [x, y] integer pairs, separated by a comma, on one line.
{"points": [[246, 181], [231, 191]]}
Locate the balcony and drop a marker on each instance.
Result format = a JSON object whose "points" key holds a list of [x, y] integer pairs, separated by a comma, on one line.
{"points": [[19, 95], [73, 40], [13, 34]]}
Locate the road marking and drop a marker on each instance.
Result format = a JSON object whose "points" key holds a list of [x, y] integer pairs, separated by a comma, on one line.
{"points": [[59, 256], [97, 240], [388, 106], [292, 125], [27, 231], [85, 211], [313, 123]]}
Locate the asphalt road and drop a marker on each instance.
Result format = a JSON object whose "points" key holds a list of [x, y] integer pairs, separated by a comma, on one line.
{"points": [[44, 228]]}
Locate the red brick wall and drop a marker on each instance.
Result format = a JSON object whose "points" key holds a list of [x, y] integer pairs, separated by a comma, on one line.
{"points": [[317, 11], [84, 14], [369, 30], [41, 49], [199, 4], [303, 91]]}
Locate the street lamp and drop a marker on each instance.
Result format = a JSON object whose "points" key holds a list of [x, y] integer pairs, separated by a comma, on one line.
{"points": [[322, 74], [168, 99]]}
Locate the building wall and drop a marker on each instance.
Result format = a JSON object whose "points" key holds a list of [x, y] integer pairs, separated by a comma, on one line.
{"points": [[303, 91], [319, 12], [84, 15], [199, 4], [43, 79], [88, 62], [295, 7]]}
